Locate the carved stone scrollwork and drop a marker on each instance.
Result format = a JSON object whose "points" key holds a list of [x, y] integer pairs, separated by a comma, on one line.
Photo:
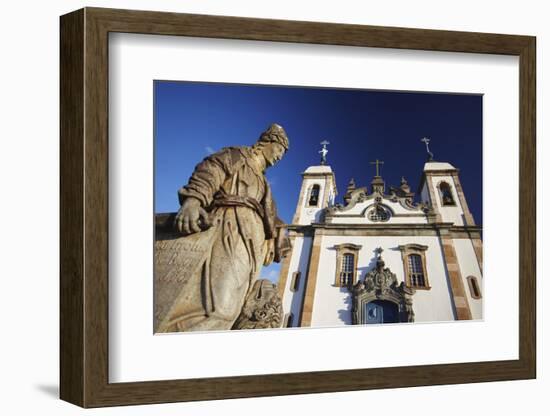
{"points": [[427, 208], [403, 195], [400, 195], [381, 284], [262, 308], [352, 198]]}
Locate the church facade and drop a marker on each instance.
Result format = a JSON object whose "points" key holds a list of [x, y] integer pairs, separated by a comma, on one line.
{"points": [[380, 257]]}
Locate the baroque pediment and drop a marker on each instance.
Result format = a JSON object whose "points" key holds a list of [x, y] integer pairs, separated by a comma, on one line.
{"points": [[360, 198]]}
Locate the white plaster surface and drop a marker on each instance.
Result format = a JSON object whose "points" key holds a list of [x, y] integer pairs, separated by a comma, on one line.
{"points": [[318, 169], [292, 301], [332, 305], [438, 166], [469, 266], [448, 213]]}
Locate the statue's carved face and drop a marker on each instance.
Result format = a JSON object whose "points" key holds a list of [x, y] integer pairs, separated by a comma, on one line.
{"points": [[273, 152]]}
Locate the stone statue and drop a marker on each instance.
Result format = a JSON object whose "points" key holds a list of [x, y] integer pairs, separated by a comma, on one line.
{"points": [[226, 229], [262, 308], [324, 152]]}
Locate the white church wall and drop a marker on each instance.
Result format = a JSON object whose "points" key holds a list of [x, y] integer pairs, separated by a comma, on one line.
{"points": [[470, 267], [292, 301], [434, 304], [332, 305], [448, 213]]}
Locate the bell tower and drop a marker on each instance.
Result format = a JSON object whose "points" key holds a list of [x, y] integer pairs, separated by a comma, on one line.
{"points": [[440, 186], [318, 191]]}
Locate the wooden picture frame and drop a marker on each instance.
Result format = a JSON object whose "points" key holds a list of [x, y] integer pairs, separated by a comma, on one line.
{"points": [[84, 207]]}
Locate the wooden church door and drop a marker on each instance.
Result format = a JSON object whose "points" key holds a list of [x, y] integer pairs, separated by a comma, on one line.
{"points": [[381, 312]]}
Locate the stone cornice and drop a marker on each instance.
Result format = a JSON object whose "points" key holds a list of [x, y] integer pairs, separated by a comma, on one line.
{"points": [[316, 174], [442, 172], [434, 229], [412, 246]]}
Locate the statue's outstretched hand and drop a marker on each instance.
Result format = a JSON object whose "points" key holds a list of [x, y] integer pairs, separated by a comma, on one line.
{"points": [[191, 217]]}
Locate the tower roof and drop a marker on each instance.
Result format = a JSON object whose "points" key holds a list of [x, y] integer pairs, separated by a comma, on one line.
{"points": [[319, 169], [438, 166]]}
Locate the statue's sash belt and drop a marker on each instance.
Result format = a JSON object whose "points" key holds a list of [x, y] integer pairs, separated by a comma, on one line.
{"points": [[226, 200]]}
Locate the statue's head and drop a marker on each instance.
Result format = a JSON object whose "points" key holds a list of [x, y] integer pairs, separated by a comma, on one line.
{"points": [[273, 143]]}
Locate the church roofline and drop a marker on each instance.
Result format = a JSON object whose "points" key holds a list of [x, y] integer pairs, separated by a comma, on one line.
{"points": [[429, 166], [319, 169], [409, 230], [316, 174], [430, 226]]}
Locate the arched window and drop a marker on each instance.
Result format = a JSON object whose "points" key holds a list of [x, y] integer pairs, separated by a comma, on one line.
{"points": [[347, 271], [416, 271], [414, 264], [314, 196], [475, 291], [446, 194], [346, 265]]}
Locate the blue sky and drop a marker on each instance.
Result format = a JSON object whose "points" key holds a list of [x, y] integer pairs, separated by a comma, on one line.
{"points": [[193, 120]]}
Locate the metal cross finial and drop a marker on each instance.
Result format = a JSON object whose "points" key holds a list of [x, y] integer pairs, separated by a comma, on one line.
{"points": [[430, 154], [324, 152], [377, 163]]}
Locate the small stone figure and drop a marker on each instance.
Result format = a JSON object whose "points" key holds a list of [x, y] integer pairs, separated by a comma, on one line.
{"points": [[324, 152], [262, 308]]}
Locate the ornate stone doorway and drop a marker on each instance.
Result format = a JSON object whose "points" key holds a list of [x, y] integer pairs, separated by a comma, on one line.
{"points": [[380, 299]]}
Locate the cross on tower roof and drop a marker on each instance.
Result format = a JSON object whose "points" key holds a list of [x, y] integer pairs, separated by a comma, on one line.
{"points": [[430, 154], [377, 163]]}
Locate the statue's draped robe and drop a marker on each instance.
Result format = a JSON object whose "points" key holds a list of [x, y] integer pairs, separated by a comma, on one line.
{"points": [[235, 192]]}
